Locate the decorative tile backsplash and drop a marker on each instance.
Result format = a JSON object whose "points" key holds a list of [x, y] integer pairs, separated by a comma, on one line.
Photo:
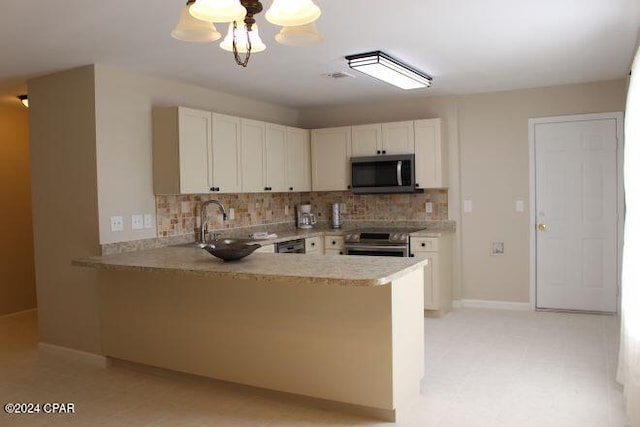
{"points": [[179, 215]]}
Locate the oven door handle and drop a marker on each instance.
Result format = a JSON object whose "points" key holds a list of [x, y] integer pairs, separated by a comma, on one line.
{"points": [[368, 247], [399, 173]]}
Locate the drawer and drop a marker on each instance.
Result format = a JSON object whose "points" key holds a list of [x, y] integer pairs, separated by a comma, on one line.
{"points": [[313, 244], [333, 242], [269, 249], [424, 244]]}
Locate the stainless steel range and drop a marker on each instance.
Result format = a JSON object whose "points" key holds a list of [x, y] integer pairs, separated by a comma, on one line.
{"points": [[378, 242]]}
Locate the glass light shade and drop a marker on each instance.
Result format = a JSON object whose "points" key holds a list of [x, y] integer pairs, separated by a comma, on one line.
{"points": [[299, 35], [382, 67], [288, 13], [241, 39], [190, 29], [218, 10], [24, 99]]}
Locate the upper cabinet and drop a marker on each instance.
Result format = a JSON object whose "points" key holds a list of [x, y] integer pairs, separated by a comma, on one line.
{"points": [[253, 156], [275, 157], [431, 154], [181, 150], [330, 153], [298, 160], [225, 149], [382, 138]]}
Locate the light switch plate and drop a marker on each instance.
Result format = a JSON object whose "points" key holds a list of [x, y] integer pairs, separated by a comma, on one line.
{"points": [[519, 205], [117, 223], [497, 248], [428, 207], [468, 206], [137, 222], [148, 221]]}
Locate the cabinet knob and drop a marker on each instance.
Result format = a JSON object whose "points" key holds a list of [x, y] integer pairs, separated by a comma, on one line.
{"points": [[341, 253], [423, 244], [378, 152], [290, 188], [215, 189], [384, 151], [348, 187], [412, 255], [417, 185], [333, 242], [313, 243]]}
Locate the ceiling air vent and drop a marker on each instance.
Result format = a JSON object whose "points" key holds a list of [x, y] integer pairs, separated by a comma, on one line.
{"points": [[339, 75]]}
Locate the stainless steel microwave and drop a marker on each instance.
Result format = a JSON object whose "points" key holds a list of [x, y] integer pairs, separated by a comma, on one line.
{"points": [[383, 174]]}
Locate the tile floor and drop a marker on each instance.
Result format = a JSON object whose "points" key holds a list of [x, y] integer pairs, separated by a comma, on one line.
{"points": [[483, 368]]}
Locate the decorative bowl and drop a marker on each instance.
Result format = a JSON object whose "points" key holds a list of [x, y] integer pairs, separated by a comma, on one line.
{"points": [[231, 249]]}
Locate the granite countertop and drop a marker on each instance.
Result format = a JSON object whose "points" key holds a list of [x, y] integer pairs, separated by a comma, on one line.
{"points": [[300, 268]]}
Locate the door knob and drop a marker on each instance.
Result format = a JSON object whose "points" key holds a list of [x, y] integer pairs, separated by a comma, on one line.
{"points": [[542, 227]]}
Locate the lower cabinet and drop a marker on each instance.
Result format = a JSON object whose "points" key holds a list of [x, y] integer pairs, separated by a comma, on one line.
{"points": [[437, 273], [314, 245], [267, 249], [333, 245]]}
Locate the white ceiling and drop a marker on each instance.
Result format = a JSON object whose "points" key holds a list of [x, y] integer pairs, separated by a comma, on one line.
{"points": [[466, 45]]}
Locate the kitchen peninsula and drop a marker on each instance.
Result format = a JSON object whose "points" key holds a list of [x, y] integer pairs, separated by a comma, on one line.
{"points": [[345, 329]]}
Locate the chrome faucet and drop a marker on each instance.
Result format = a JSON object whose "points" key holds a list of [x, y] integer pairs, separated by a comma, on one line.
{"points": [[203, 218]]}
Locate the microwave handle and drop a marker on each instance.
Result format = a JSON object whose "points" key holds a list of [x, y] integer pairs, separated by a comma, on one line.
{"points": [[399, 173]]}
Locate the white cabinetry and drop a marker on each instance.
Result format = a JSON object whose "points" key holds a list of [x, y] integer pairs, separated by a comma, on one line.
{"points": [[313, 245], [188, 146], [330, 153], [253, 155], [275, 158], [298, 160], [267, 249], [225, 150], [431, 154], [437, 273], [382, 138], [397, 138], [334, 245]]}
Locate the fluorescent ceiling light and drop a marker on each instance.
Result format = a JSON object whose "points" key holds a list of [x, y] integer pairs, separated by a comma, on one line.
{"points": [[383, 67]]}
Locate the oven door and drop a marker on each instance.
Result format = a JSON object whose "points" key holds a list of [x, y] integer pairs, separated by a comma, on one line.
{"points": [[376, 250]]}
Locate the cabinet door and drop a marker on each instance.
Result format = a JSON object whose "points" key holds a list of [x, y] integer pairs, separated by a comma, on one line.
{"points": [[225, 143], [330, 153], [366, 140], [398, 138], [274, 156], [313, 245], [431, 154], [194, 145], [298, 158], [253, 161], [431, 300]]}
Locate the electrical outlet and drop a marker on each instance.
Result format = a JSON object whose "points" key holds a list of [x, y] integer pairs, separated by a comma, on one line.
{"points": [[343, 207], [428, 207], [497, 248], [137, 222], [148, 221], [286, 210], [117, 223], [232, 214]]}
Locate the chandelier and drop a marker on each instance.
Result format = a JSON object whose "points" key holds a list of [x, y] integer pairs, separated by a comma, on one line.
{"points": [[296, 17]]}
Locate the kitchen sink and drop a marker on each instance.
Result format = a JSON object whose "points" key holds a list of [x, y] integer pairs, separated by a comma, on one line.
{"points": [[231, 249]]}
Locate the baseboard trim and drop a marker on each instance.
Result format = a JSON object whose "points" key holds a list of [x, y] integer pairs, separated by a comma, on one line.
{"points": [[495, 305], [74, 355], [25, 313]]}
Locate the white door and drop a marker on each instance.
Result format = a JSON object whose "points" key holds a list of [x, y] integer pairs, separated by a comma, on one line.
{"points": [[576, 208]]}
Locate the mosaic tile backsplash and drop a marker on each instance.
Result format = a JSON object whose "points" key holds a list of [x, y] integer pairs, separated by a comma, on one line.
{"points": [[179, 215]]}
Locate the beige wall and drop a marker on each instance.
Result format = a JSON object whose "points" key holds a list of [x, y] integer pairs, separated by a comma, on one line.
{"points": [[17, 273], [489, 164], [123, 119], [65, 206]]}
